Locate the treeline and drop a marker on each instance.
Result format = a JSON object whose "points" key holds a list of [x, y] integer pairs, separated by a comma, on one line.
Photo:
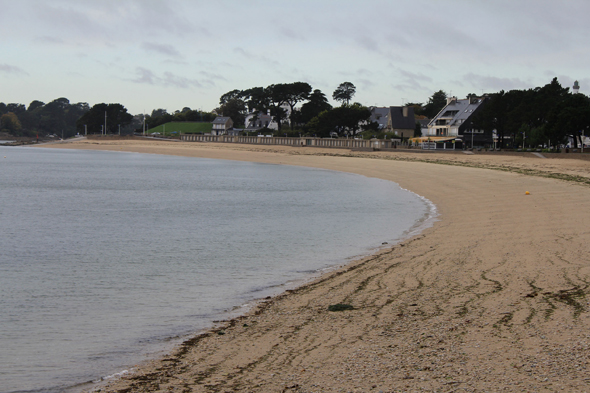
{"points": [[547, 115], [316, 116], [66, 119], [161, 116], [56, 117]]}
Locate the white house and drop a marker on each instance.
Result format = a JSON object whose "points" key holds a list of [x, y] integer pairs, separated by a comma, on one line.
{"points": [[221, 125]]}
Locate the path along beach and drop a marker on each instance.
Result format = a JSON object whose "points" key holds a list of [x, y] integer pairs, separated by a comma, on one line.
{"points": [[493, 297]]}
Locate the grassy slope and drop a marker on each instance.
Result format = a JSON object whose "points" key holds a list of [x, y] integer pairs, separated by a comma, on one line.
{"points": [[183, 127]]}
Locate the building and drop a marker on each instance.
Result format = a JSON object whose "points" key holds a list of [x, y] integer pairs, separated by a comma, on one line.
{"points": [[379, 115], [401, 121], [221, 125], [257, 120], [455, 123], [398, 120]]}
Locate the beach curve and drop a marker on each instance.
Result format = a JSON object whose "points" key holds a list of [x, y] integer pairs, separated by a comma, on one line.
{"points": [[492, 297]]}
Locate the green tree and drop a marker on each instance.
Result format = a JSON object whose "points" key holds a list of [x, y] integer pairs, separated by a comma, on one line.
{"points": [[230, 95], [317, 104], [344, 93], [17, 109], [435, 103], [59, 116], [418, 108], [345, 120], [9, 123], [236, 109], [418, 130], [116, 115], [573, 119], [232, 104], [293, 93]]}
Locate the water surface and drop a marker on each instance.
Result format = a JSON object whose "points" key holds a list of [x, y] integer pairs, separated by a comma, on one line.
{"points": [[106, 255]]}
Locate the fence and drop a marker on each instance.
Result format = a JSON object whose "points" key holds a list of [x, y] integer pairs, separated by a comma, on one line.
{"points": [[302, 141]]}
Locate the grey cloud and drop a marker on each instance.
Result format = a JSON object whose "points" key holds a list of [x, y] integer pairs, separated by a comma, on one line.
{"points": [[114, 21], [265, 59], [50, 40], [366, 83], [178, 81], [412, 88], [242, 52], [212, 76], [144, 76], [364, 71], [169, 79], [369, 43], [413, 77], [13, 70], [492, 83], [411, 82], [290, 33], [163, 49]]}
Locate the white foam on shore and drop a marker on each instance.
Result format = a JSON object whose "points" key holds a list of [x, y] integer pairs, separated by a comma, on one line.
{"points": [[423, 223]]}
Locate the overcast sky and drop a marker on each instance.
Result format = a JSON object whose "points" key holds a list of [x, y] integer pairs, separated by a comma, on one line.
{"points": [[148, 54]]}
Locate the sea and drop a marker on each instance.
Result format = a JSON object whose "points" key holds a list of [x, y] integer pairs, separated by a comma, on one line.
{"points": [[110, 258]]}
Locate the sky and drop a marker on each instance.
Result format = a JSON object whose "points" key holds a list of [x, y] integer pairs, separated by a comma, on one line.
{"points": [[171, 54]]}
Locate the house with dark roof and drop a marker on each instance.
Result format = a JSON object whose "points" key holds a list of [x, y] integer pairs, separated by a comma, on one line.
{"points": [[256, 121], [398, 120], [379, 116], [454, 122], [221, 125], [401, 121]]}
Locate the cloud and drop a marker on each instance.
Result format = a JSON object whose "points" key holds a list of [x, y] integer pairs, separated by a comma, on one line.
{"points": [[248, 55], [13, 70], [144, 76], [413, 77], [243, 53], [50, 40], [178, 81], [209, 75], [168, 79], [493, 83], [290, 33], [163, 49], [368, 43]]}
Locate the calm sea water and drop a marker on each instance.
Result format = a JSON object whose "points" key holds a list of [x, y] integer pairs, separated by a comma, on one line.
{"points": [[105, 257]]}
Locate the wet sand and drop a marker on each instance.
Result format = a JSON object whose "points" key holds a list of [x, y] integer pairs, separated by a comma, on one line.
{"points": [[493, 297]]}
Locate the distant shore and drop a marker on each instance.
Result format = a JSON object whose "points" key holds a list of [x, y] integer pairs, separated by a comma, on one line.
{"points": [[492, 297]]}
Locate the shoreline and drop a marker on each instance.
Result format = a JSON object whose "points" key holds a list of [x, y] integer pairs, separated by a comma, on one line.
{"points": [[492, 297]]}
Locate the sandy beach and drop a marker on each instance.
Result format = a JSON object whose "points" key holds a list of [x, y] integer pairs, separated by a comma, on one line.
{"points": [[492, 298]]}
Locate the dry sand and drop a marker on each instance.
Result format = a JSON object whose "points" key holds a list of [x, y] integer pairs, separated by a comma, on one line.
{"points": [[492, 298]]}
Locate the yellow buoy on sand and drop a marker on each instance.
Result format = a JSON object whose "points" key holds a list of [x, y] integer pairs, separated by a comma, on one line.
{"points": [[527, 193]]}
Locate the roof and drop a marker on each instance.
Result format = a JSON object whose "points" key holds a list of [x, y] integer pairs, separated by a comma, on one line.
{"points": [[379, 115], [221, 120], [398, 120], [457, 111]]}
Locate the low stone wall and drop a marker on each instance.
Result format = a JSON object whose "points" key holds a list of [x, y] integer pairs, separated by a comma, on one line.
{"points": [[374, 144]]}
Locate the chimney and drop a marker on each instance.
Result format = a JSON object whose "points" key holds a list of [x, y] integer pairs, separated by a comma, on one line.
{"points": [[451, 100], [405, 111]]}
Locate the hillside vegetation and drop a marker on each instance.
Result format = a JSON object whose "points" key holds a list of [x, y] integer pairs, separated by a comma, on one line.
{"points": [[182, 127]]}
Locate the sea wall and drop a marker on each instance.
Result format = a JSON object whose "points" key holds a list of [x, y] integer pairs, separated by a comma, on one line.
{"points": [[375, 144]]}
